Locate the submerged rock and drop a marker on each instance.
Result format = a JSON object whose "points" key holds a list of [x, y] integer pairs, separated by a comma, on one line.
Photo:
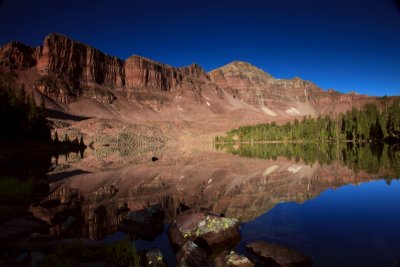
{"points": [[208, 231], [153, 258], [232, 259], [191, 254], [277, 255], [144, 224]]}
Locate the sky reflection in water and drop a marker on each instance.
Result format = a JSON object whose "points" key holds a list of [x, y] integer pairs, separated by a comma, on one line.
{"points": [[349, 226]]}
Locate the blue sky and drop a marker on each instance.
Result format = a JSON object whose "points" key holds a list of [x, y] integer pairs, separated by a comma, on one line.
{"points": [[348, 45]]}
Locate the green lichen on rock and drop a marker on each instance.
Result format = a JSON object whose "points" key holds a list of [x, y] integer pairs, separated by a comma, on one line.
{"points": [[212, 231], [233, 259], [154, 258], [210, 224]]}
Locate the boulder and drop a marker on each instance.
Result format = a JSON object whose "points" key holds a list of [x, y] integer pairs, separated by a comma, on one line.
{"points": [[232, 259], [208, 231], [278, 255], [191, 254], [144, 224]]}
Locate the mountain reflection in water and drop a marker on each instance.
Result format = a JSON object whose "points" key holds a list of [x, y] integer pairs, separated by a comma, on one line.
{"points": [[99, 191], [237, 187]]}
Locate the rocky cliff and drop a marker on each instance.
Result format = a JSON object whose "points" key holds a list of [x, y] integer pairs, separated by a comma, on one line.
{"points": [[66, 71], [255, 86], [296, 97], [60, 55], [16, 55], [145, 73]]}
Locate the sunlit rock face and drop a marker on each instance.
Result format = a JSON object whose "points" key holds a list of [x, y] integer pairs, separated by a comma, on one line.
{"points": [[145, 73], [67, 71], [16, 55], [293, 96], [255, 86], [80, 62]]}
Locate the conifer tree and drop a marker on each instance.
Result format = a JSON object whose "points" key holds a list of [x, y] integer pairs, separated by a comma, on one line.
{"points": [[81, 143], [66, 138], [21, 95], [56, 140]]}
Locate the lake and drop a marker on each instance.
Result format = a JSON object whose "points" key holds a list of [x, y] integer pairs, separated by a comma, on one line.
{"points": [[335, 203], [354, 225]]}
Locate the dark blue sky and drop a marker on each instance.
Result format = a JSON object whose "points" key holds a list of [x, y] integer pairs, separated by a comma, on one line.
{"points": [[343, 44]]}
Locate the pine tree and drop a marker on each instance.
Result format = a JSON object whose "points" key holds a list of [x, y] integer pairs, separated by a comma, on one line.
{"points": [[393, 121], [56, 140], [42, 104], [66, 138], [21, 95], [32, 111], [75, 141], [81, 143]]}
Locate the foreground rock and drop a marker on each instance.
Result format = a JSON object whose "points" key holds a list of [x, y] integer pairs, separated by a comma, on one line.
{"points": [[277, 255], [153, 258], [209, 231], [144, 224], [232, 259], [191, 254]]}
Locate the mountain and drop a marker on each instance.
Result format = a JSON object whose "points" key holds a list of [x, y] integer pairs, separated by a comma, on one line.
{"points": [[252, 84], [68, 68], [77, 79], [282, 97]]}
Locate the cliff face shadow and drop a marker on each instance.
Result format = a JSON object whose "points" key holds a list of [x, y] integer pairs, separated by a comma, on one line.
{"points": [[64, 175], [56, 114]]}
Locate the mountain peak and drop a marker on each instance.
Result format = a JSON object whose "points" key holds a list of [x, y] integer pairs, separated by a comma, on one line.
{"points": [[56, 34], [241, 64], [242, 68]]}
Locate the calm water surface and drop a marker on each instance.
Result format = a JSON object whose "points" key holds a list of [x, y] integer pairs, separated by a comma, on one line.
{"points": [[355, 225], [339, 205]]}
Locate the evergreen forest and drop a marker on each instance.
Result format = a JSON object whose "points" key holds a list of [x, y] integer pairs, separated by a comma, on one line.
{"points": [[365, 125]]}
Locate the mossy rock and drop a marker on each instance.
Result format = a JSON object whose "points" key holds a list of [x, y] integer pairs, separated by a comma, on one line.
{"points": [[208, 231]]}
